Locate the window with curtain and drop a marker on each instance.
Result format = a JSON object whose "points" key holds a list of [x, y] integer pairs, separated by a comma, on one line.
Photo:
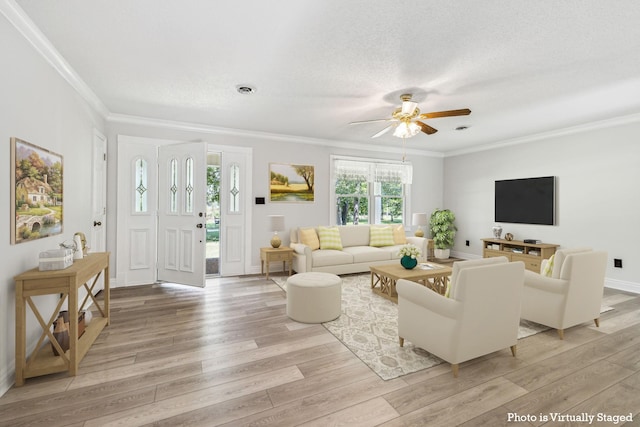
{"points": [[370, 192]]}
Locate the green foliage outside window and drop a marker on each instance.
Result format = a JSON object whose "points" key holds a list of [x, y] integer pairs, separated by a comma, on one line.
{"points": [[353, 196], [213, 202]]}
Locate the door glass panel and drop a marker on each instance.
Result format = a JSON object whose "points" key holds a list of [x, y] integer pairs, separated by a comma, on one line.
{"points": [[140, 185], [173, 189], [234, 188], [213, 213], [188, 189]]}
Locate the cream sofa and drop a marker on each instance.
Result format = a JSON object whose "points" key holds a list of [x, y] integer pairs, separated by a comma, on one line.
{"points": [[356, 255]]}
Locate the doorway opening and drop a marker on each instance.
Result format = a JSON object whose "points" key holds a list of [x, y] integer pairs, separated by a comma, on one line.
{"points": [[213, 214]]}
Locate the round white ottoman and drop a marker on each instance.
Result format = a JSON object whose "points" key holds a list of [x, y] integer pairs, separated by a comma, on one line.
{"points": [[314, 297]]}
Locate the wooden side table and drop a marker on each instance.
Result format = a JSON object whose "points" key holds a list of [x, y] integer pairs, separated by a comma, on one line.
{"points": [[269, 254], [66, 282]]}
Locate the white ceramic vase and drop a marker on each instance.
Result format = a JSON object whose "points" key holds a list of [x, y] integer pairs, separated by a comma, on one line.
{"points": [[441, 253]]}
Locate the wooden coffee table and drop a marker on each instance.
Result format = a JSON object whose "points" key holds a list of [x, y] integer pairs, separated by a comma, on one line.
{"points": [[433, 276]]}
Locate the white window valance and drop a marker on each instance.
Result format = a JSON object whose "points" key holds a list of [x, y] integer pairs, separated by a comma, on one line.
{"points": [[373, 171], [352, 170], [393, 172]]}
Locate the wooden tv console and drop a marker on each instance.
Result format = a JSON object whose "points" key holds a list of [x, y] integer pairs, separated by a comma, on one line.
{"points": [[531, 254]]}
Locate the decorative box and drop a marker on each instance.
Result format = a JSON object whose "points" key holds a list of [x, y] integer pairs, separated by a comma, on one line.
{"points": [[55, 259]]}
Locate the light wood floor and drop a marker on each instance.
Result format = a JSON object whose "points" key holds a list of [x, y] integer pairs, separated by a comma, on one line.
{"points": [[228, 355]]}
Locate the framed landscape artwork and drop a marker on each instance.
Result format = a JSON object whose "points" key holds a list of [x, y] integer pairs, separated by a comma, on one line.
{"points": [[291, 183], [36, 192]]}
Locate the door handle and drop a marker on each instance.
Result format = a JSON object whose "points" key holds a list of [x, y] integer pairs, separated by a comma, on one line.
{"points": [[199, 225], [97, 223]]}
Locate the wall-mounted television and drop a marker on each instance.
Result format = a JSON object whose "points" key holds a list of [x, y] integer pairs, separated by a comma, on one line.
{"points": [[526, 201]]}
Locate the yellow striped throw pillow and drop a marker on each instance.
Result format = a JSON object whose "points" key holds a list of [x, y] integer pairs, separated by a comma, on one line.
{"points": [[380, 236], [548, 267], [330, 238]]}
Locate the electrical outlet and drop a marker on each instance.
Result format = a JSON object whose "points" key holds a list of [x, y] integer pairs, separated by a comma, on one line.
{"points": [[617, 262], [466, 242]]}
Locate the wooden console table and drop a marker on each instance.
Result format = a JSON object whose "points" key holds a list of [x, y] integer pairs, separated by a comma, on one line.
{"points": [[65, 282]]}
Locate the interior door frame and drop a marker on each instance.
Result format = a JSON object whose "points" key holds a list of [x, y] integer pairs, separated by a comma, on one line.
{"points": [[98, 234]]}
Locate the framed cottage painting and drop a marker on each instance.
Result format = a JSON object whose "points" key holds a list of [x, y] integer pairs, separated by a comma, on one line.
{"points": [[291, 183], [36, 192]]}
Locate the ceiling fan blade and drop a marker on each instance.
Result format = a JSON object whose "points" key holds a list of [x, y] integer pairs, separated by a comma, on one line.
{"points": [[372, 121], [408, 107], [383, 131], [449, 113], [426, 128]]}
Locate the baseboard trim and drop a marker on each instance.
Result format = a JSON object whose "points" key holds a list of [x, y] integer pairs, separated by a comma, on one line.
{"points": [[8, 378], [622, 285], [464, 255]]}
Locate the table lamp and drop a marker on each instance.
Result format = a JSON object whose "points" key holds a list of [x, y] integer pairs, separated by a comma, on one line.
{"points": [[419, 219], [276, 223]]}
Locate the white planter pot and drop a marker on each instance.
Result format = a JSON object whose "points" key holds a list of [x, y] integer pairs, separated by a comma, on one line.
{"points": [[441, 253]]}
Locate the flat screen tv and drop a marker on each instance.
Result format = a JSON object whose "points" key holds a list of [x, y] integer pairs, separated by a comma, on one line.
{"points": [[526, 201]]}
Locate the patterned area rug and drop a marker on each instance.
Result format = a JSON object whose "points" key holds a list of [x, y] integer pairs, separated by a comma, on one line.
{"points": [[368, 327]]}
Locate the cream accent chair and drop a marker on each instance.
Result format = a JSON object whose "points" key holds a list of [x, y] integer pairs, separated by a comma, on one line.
{"points": [[481, 316], [573, 293]]}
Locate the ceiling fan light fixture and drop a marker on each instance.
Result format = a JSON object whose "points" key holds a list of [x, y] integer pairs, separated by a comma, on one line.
{"points": [[408, 107], [406, 130]]}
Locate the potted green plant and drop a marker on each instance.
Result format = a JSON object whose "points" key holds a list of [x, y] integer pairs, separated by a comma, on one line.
{"points": [[443, 231]]}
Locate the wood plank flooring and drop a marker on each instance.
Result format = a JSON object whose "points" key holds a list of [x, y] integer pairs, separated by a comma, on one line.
{"points": [[228, 355]]}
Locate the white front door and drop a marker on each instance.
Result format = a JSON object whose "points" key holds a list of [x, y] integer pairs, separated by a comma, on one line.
{"points": [[182, 213]]}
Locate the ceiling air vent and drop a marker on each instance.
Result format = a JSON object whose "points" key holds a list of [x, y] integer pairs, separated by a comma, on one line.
{"points": [[245, 89]]}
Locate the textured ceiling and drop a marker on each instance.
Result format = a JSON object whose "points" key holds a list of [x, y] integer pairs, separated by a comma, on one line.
{"points": [[522, 67]]}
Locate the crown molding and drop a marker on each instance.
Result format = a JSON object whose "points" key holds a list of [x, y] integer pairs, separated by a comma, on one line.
{"points": [[588, 127], [25, 26], [215, 130]]}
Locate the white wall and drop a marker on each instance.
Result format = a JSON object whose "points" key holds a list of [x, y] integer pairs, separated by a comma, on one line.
{"points": [[597, 195], [426, 191], [38, 106]]}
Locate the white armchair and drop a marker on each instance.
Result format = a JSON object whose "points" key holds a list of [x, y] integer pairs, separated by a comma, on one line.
{"points": [[482, 314], [571, 295]]}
